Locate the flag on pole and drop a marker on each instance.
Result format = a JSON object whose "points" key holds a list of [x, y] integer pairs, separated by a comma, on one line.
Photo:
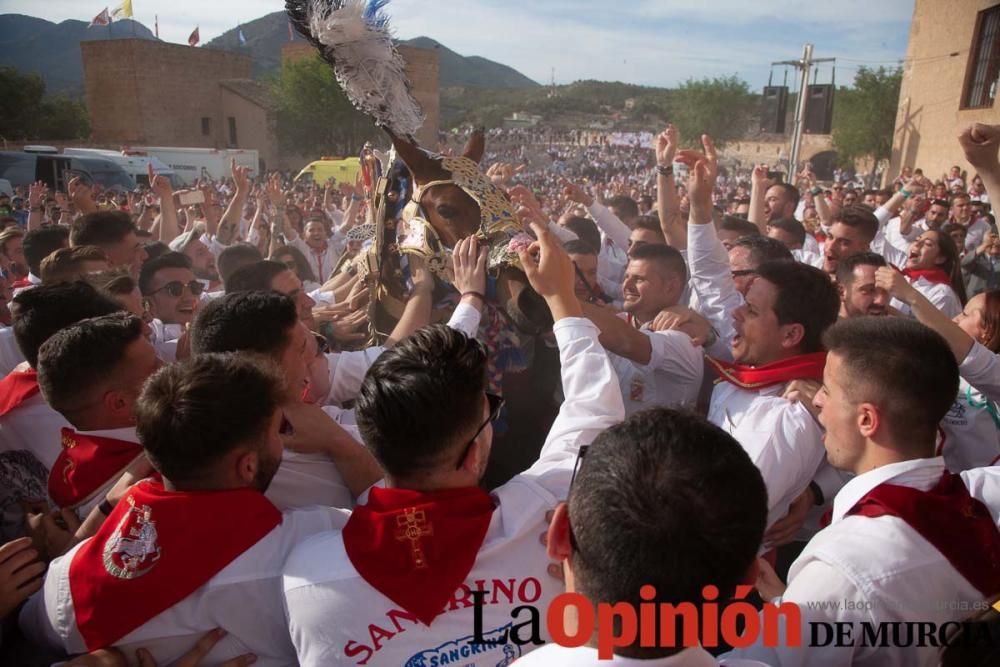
{"points": [[156, 25], [194, 38], [242, 38], [101, 19], [123, 11], [290, 37]]}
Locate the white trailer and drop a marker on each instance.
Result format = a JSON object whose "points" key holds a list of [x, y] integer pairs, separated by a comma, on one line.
{"points": [[193, 163]]}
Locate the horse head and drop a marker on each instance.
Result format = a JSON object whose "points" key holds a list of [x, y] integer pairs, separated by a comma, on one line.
{"points": [[457, 200]]}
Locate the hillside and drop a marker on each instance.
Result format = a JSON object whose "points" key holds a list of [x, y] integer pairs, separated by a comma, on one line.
{"points": [[457, 70], [52, 50]]}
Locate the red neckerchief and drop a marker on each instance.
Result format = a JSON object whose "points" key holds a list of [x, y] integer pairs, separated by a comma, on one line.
{"points": [[417, 548], [16, 388], [800, 367], [955, 523], [155, 549], [320, 255], [20, 282], [85, 464], [936, 276]]}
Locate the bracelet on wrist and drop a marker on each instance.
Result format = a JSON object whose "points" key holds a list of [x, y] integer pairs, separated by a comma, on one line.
{"points": [[906, 193], [476, 294], [665, 170], [106, 508], [815, 191]]}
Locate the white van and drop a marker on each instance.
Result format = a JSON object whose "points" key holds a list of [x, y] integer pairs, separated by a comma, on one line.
{"points": [[135, 163], [192, 163]]}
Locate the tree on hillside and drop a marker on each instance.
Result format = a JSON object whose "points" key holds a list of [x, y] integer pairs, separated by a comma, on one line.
{"points": [[720, 107], [864, 117], [314, 117], [26, 112]]}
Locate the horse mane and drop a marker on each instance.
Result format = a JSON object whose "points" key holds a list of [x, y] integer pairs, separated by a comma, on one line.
{"points": [[354, 38]]}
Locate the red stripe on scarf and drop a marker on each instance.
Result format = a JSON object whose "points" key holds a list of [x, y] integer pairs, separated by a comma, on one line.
{"points": [[799, 367]]}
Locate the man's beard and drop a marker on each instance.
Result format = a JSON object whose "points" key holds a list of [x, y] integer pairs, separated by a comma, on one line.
{"points": [[265, 473]]}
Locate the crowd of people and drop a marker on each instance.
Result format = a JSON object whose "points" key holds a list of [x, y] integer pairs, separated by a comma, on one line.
{"points": [[789, 388]]}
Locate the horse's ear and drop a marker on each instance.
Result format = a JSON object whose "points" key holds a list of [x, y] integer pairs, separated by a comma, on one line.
{"points": [[423, 167], [475, 147]]}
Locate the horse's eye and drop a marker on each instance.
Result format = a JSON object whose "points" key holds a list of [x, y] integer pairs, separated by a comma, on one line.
{"points": [[446, 211]]}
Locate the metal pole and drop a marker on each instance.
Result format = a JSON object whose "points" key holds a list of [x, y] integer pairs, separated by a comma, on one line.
{"points": [[800, 112]]}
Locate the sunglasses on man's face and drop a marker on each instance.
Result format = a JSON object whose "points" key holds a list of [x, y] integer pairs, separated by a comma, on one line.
{"points": [[175, 288]]}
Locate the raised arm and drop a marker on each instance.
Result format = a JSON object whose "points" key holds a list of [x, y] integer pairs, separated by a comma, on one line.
{"points": [[608, 222], [981, 143], [36, 199], [759, 183], [230, 223], [593, 399], [667, 202], [618, 336], [160, 185]]}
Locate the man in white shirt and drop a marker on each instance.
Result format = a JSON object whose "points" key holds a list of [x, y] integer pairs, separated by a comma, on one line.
{"points": [[659, 530], [114, 233], [201, 549], [396, 585], [171, 295], [267, 324], [92, 373], [773, 336], [654, 368], [192, 245], [852, 231], [859, 295], [909, 541]]}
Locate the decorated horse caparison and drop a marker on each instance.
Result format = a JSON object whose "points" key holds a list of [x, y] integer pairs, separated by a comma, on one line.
{"points": [[424, 208]]}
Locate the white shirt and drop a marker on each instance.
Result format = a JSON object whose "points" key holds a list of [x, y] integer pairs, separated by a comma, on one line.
{"points": [[878, 570], [981, 369], [36, 427], [781, 437], [971, 435], [10, 354], [672, 377], [942, 296], [612, 258], [243, 598], [348, 369], [336, 617], [975, 235], [553, 655], [712, 285], [324, 261]]}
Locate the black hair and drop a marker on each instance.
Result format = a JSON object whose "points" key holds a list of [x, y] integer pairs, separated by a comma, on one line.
{"points": [[193, 413], [578, 247], [43, 310], [101, 228], [806, 296], [791, 226], [235, 256], [254, 277], [907, 369], [419, 397], [732, 223], [245, 322], [75, 359], [858, 216], [846, 266], [42, 242], [764, 249], [168, 260], [668, 257], [692, 513], [586, 230], [625, 205]]}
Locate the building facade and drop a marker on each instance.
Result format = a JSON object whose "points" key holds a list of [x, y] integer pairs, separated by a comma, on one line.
{"points": [[950, 80]]}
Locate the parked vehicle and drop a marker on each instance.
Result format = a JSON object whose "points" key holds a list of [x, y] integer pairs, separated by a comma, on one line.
{"points": [[190, 164], [46, 164], [135, 163], [345, 171]]}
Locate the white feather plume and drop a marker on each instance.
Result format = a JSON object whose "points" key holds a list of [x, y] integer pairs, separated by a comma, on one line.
{"points": [[354, 38]]}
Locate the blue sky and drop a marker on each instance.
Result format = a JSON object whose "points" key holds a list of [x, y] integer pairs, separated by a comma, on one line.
{"points": [[648, 42]]}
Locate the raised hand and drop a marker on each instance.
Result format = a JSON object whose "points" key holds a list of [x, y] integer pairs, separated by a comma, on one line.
{"points": [[550, 272], [469, 262], [575, 193], [895, 283], [241, 177], [666, 146], [981, 144], [704, 169], [160, 185], [275, 193], [36, 193]]}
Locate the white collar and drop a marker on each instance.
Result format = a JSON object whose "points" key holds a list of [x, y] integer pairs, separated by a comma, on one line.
{"points": [[916, 473], [126, 434]]}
